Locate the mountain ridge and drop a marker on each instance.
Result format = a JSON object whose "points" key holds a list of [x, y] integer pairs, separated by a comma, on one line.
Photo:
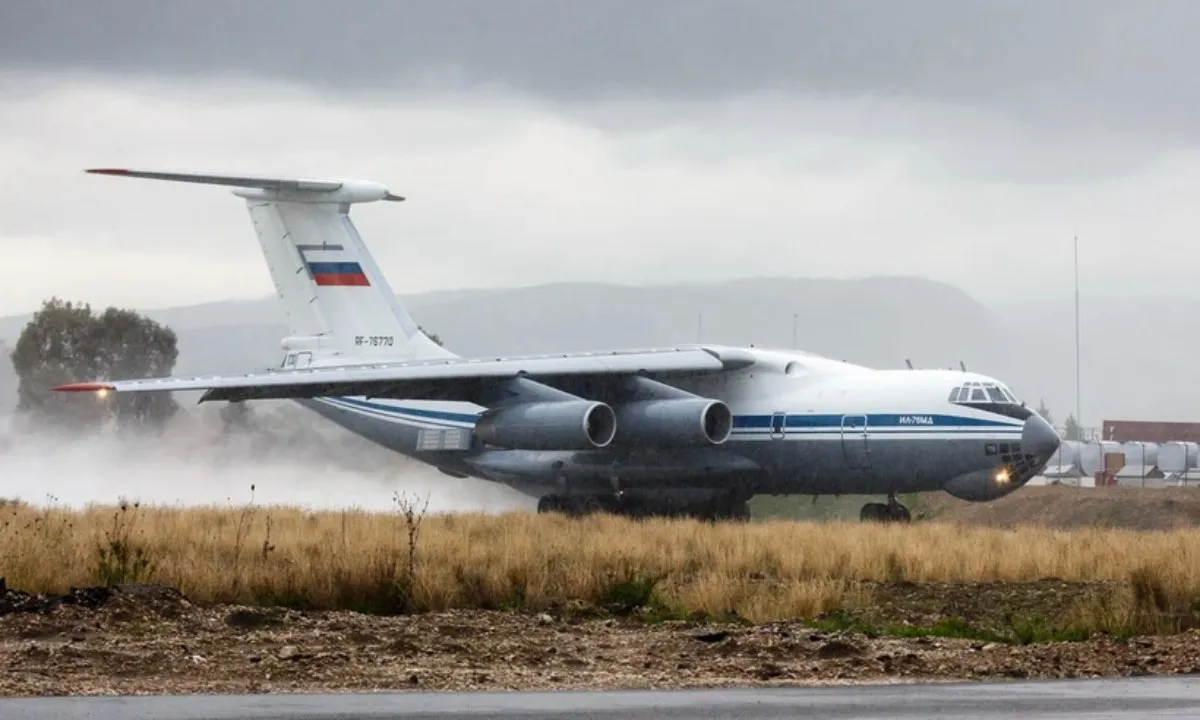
{"points": [[879, 321]]}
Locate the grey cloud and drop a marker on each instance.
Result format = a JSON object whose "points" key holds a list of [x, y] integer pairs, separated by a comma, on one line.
{"points": [[1069, 66]]}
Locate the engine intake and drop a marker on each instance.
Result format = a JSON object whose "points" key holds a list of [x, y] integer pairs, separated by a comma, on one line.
{"points": [[558, 425], [674, 423]]}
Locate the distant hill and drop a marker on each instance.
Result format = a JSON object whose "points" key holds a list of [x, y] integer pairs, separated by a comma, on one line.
{"points": [[1136, 366]]}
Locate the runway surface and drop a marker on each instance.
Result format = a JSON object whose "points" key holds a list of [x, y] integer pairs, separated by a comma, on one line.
{"points": [[1122, 698]]}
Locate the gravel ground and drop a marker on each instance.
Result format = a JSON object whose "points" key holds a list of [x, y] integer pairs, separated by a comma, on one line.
{"points": [[150, 640]]}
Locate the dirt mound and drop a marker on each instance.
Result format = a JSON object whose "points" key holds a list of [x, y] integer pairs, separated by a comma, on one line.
{"points": [[1064, 507]]}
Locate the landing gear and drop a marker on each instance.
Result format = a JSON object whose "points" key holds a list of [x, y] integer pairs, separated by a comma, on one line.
{"points": [[729, 508], [889, 512], [574, 505]]}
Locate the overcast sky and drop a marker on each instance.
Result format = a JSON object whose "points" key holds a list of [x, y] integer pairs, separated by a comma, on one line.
{"points": [[629, 141]]}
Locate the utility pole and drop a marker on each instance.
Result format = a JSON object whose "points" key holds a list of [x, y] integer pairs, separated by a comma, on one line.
{"points": [[1078, 397]]}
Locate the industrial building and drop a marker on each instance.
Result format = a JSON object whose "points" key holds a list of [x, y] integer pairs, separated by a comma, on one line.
{"points": [[1150, 431]]}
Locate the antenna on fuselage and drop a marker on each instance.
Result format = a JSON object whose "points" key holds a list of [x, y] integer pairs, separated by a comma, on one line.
{"points": [[908, 363], [962, 365]]}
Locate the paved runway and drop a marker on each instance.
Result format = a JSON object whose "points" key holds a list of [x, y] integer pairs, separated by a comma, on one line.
{"points": [[1125, 698]]}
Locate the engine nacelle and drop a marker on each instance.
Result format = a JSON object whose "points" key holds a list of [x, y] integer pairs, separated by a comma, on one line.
{"points": [[559, 425], [681, 422]]}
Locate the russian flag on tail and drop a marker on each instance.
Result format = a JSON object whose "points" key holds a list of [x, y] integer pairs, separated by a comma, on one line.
{"points": [[338, 273]]}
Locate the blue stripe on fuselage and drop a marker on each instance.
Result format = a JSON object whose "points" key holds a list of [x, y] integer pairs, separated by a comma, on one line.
{"points": [[415, 413], [885, 420], [742, 424]]}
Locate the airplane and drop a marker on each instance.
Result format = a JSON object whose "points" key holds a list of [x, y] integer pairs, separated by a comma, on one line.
{"points": [[691, 430]]}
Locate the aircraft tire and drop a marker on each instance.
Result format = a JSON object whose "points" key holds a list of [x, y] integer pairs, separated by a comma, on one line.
{"points": [[875, 512], [899, 514], [582, 505], [589, 505]]}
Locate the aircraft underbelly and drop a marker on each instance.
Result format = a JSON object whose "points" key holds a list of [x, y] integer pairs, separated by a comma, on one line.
{"points": [[846, 460]]}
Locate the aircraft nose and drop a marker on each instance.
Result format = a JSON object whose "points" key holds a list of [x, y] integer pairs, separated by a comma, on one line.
{"points": [[1038, 438]]}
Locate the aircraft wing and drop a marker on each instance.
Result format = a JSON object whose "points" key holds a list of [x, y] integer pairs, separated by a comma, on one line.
{"points": [[456, 378]]}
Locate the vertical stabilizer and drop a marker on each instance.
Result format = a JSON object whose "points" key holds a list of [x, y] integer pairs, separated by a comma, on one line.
{"points": [[339, 307]]}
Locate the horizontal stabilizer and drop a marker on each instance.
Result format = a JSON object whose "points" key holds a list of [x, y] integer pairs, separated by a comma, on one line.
{"points": [[351, 188]]}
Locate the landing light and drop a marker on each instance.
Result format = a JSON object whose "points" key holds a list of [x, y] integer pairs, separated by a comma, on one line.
{"points": [[1002, 477], [102, 393]]}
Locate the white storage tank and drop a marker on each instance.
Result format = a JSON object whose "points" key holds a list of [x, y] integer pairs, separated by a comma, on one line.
{"points": [[1091, 456], [1176, 458], [1140, 454], [1141, 463], [1064, 463]]}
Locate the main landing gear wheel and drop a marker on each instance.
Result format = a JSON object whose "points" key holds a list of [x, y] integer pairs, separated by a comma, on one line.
{"points": [[889, 512], [723, 509], [572, 505]]}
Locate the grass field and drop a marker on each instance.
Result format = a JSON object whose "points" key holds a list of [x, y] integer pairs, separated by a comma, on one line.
{"points": [[402, 562], [846, 508]]}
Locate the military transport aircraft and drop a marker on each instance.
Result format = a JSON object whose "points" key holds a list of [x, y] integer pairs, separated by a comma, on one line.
{"points": [[693, 430]]}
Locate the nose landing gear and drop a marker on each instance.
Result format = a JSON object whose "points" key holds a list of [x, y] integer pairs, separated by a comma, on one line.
{"points": [[890, 512]]}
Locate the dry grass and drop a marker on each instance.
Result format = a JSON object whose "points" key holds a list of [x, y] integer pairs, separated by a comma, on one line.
{"points": [[387, 562]]}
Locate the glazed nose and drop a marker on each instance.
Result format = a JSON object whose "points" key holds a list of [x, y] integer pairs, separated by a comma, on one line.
{"points": [[1038, 438]]}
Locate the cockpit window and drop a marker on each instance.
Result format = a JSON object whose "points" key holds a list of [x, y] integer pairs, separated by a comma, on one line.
{"points": [[983, 392]]}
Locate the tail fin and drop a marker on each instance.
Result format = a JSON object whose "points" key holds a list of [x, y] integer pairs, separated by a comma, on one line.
{"points": [[339, 306]]}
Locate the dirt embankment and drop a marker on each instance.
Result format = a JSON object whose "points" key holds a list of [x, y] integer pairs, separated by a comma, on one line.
{"points": [[148, 639], [1058, 506]]}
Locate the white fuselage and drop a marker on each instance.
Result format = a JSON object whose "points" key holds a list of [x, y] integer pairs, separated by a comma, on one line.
{"points": [[802, 424]]}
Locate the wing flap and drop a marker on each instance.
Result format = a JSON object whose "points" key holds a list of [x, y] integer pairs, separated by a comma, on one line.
{"points": [[425, 378]]}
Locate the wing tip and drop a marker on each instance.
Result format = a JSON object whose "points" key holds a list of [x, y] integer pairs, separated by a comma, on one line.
{"points": [[84, 387], [107, 171]]}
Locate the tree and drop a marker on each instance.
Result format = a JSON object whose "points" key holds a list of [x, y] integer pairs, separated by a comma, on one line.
{"points": [[1045, 412], [1073, 431], [8, 384], [66, 342]]}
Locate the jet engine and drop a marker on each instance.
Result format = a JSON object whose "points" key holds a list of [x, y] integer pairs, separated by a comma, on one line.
{"points": [[673, 423], [558, 425]]}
